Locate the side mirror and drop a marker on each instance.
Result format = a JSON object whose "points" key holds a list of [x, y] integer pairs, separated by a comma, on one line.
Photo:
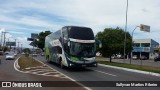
{"points": [[100, 45]]}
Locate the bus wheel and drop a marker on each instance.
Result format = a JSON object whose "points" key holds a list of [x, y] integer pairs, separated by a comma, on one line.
{"points": [[61, 64]]}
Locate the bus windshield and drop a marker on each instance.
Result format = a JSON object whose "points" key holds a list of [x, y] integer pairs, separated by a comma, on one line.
{"points": [[81, 33], [82, 49]]}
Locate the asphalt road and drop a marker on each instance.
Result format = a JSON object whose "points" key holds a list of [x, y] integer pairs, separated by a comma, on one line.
{"points": [[101, 73], [8, 73], [136, 62]]}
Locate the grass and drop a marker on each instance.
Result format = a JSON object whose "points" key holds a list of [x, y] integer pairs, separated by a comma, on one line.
{"points": [[26, 62], [130, 66]]}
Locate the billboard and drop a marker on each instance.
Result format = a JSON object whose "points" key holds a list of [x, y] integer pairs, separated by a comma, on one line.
{"points": [[10, 43], [141, 49], [34, 35]]}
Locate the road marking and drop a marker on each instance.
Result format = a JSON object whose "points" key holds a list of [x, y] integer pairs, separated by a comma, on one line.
{"points": [[105, 73], [87, 88], [16, 66]]}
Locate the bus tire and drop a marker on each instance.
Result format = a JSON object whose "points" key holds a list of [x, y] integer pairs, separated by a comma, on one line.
{"points": [[60, 63], [47, 58]]}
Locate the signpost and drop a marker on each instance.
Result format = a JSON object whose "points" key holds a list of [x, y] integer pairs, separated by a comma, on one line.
{"points": [[145, 28], [10, 43], [34, 35]]}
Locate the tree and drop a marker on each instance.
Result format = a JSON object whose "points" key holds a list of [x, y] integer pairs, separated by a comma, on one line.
{"points": [[41, 39], [26, 50], [113, 42]]}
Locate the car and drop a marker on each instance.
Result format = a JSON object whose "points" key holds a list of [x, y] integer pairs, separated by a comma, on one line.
{"points": [[143, 57], [113, 57], [6, 53], [15, 54], [42, 54], [134, 57], [10, 56], [34, 54], [157, 59]]}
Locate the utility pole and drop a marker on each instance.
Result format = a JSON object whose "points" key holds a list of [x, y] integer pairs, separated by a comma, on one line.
{"points": [[4, 40], [125, 32], [21, 48], [18, 46]]}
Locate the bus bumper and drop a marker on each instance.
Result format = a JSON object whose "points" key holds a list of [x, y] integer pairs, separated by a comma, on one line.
{"points": [[81, 65]]}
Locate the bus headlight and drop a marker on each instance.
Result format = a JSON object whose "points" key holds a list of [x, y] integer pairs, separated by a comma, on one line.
{"points": [[74, 59]]}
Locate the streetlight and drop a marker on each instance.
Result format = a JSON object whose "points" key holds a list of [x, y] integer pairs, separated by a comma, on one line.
{"points": [[132, 42], [18, 47], [144, 28], [4, 39], [125, 32], [15, 46]]}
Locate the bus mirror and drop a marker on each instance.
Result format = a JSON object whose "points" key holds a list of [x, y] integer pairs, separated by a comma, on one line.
{"points": [[68, 43]]}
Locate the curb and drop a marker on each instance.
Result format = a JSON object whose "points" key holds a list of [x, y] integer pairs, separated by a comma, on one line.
{"points": [[16, 63], [17, 67], [131, 70]]}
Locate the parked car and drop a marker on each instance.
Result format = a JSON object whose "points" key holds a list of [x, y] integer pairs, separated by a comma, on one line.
{"points": [[143, 57], [10, 56], [35, 54], [157, 59], [134, 57], [113, 57], [6, 53]]}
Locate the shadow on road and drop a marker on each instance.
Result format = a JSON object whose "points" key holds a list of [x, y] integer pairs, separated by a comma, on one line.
{"points": [[73, 69]]}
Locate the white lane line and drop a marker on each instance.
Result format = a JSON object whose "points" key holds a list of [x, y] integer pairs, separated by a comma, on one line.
{"points": [[131, 70], [41, 70], [105, 73], [16, 65], [87, 88]]}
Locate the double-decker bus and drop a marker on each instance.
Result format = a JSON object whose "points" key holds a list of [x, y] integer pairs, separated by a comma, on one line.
{"points": [[71, 46]]}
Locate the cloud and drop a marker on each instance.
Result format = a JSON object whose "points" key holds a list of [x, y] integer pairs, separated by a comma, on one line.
{"points": [[39, 15]]}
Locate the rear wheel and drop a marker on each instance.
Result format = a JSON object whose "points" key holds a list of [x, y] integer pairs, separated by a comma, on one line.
{"points": [[47, 58], [60, 63], [96, 65]]}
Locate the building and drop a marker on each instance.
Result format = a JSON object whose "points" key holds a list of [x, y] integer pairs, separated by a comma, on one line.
{"points": [[144, 47]]}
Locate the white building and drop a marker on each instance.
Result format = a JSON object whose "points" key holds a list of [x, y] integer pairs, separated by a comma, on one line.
{"points": [[144, 47]]}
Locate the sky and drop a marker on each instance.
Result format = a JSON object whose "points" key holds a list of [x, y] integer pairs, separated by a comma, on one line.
{"points": [[20, 18]]}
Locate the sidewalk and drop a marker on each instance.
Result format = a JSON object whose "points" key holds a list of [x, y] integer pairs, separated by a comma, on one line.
{"points": [[135, 62]]}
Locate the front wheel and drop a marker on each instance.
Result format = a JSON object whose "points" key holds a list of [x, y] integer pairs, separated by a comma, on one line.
{"points": [[61, 64], [47, 58]]}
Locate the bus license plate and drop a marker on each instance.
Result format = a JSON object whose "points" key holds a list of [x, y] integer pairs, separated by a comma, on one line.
{"points": [[83, 65]]}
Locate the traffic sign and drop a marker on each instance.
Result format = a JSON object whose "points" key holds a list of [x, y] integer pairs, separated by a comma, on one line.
{"points": [[31, 39], [145, 28]]}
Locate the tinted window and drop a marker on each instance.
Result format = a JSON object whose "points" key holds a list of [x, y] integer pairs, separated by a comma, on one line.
{"points": [[82, 33]]}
